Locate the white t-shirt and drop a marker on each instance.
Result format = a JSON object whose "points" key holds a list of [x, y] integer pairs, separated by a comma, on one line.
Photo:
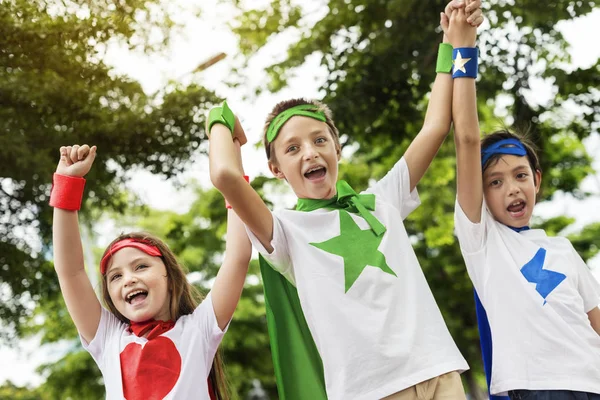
{"points": [[542, 338], [386, 332], [178, 362]]}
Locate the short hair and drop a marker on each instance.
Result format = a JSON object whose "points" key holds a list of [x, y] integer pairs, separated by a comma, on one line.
{"points": [[287, 104], [502, 134]]}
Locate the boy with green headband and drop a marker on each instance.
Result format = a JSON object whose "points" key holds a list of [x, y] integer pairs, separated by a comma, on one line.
{"points": [[343, 273]]}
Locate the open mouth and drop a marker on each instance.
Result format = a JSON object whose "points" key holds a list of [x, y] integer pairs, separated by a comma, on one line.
{"points": [[136, 297], [516, 208], [315, 173]]}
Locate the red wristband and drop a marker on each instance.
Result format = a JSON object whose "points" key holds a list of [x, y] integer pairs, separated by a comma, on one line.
{"points": [[66, 192], [227, 205]]}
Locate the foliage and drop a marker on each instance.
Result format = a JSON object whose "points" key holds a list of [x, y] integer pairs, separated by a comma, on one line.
{"points": [[55, 89]]}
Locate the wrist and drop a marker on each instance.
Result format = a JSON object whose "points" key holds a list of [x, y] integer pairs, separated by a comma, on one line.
{"points": [[465, 62], [444, 59], [67, 192], [221, 115]]}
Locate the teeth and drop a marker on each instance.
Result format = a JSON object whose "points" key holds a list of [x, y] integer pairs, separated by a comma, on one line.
{"points": [[313, 169], [130, 295]]}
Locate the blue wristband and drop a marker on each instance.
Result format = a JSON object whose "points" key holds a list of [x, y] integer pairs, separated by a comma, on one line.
{"points": [[465, 62]]}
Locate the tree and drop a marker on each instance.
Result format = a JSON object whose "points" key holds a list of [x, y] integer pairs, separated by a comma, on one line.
{"points": [[380, 57], [55, 89]]}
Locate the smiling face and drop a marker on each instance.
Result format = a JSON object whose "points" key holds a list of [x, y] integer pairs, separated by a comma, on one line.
{"points": [[138, 285], [510, 187], [306, 155]]}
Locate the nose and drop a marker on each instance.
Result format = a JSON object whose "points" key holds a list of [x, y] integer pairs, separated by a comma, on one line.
{"points": [[310, 152], [129, 279], [514, 188]]}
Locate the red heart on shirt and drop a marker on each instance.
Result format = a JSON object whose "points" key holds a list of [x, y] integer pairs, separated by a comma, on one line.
{"points": [[150, 372]]}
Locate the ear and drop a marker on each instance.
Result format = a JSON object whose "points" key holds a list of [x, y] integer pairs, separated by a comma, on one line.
{"points": [[338, 151], [275, 170], [538, 180]]}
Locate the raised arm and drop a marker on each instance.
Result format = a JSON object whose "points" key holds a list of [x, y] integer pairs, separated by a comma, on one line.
{"points": [[466, 125], [77, 290], [438, 116], [228, 178], [229, 283]]}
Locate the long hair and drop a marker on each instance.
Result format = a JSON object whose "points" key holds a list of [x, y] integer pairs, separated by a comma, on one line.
{"points": [[184, 300]]}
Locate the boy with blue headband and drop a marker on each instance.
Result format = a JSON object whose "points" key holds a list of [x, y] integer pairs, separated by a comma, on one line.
{"points": [[537, 293], [349, 309]]}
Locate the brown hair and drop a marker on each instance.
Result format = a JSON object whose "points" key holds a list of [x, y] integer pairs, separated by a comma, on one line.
{"points": [[184, 300], [530, 148], [286, 104]]}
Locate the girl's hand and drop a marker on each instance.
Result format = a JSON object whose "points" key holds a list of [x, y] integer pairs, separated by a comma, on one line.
{"points": [[472, 10], [238, 133], [238, 153], [460, 32], [76, 160]]}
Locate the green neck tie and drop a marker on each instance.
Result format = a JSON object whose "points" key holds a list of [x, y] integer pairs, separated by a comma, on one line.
{"points": [[347, 199]]}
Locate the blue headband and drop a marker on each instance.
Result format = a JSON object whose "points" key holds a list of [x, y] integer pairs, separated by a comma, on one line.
{"points": [[515, 147]]}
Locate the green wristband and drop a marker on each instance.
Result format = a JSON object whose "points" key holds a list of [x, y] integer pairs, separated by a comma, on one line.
{"points": [[221, 115], [444, 58]]}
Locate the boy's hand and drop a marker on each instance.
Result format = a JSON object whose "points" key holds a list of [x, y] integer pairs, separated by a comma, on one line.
{"points": [[460, 32], [76, 160], [472, 9]]}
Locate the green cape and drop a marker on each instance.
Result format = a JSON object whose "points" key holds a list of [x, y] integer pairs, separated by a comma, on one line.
{"points": [[296, 360]]}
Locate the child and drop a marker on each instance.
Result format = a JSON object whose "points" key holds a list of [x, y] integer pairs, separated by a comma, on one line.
{"points": [[367, 305], [154, 341], [546, 342]]}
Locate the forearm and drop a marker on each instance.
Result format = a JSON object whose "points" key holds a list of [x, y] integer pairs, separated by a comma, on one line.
{"points": [[237, 246], [66, 243], [464, 114], [230, 280], [439, 110], [224, 170], [426, 144]]}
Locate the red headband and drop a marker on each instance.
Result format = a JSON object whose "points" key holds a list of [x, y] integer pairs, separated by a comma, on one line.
{"points": [[145, 247]]}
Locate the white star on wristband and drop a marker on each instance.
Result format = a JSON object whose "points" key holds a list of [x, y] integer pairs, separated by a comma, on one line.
{"points": [[459, 62]]}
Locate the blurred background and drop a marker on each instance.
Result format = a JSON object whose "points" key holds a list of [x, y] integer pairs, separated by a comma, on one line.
{"points": [[136, 77]]}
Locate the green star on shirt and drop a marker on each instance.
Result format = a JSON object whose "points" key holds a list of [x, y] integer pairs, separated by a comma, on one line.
{"points": [[357, 247]]}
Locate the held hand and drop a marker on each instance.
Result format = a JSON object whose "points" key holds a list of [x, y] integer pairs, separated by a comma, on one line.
{"points": [[460, 32], [472, 9], [239, 134], [76, 160]]}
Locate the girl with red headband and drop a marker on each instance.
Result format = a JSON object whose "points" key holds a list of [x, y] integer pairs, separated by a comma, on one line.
{"points": [[154, 339]]}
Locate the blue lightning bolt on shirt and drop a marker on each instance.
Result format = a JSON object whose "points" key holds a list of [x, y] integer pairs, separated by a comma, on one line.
{"points": [[546, 281]]}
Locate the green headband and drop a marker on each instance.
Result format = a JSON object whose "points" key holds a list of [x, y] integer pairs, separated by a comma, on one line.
{"points": [[306, 110]]}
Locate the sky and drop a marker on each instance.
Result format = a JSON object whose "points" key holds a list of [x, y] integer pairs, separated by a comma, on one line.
{"points": [[199, 42]]}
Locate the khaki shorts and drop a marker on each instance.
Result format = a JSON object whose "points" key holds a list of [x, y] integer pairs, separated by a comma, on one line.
{"points": [[443, 387]]}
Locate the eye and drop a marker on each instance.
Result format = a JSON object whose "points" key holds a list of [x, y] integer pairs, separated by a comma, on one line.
{"points": [[114, 277], [522, 175], [320, 140], [141, 266], [495, 182], [291, 148]]}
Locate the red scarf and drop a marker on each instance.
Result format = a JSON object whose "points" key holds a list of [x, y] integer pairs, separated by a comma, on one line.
{"points": [[155, 328]]}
